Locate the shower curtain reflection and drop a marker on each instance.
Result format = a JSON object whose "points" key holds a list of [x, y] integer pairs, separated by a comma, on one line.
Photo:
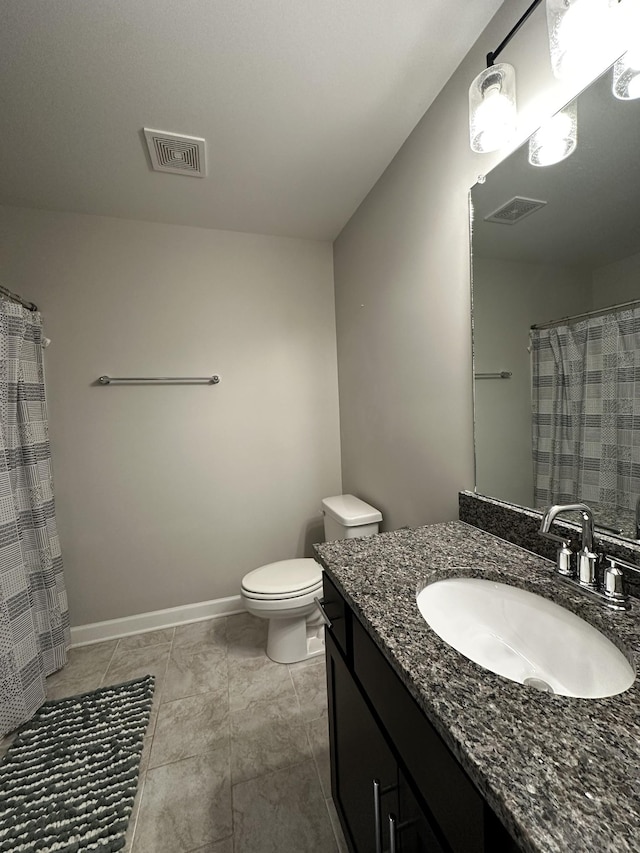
{"points": [[586, 414], [34, 619]]}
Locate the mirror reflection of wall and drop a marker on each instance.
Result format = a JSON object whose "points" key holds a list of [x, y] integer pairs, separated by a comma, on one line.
{"points": [[579, 252]]}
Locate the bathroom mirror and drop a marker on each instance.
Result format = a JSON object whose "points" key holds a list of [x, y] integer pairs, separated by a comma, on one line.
{"points": [[577, 253]]}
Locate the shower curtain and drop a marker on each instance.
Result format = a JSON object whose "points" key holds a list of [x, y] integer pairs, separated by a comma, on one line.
{"points": [[34, 619], [586, 411]]}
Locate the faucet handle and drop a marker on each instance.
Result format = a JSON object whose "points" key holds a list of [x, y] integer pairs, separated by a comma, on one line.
{"points": [[564, 554], [614, 585]]}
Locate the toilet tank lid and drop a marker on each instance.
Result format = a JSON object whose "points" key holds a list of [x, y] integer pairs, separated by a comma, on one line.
{"points": [[350, 510]]}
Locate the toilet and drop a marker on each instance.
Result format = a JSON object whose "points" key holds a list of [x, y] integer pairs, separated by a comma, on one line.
{"points": [[285, 592]]}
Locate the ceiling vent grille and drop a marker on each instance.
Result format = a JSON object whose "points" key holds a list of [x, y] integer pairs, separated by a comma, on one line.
{"points": [[176, 153], [515, 210]]}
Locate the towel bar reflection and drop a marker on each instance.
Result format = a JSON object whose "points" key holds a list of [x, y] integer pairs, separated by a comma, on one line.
{"points": [[503, 374], [185, 380]]}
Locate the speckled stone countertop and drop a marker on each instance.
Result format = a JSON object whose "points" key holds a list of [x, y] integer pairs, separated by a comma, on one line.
{"points": [[563, 774]]}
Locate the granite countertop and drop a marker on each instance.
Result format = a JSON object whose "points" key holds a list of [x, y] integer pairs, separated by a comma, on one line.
{"points": [[563, 774]]}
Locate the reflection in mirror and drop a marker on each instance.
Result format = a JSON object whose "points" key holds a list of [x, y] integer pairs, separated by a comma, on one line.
{"points": [[562, 257]]}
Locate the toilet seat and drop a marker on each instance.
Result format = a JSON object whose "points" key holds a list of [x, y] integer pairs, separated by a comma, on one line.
{"points": [[282, 596], [283, 580], [283, 608]]}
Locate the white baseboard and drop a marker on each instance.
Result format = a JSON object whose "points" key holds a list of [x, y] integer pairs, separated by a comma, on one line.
{"points": [[96, 632]]}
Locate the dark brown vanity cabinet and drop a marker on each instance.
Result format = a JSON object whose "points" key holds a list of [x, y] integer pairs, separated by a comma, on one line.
{"points": [[360, 758], [396, 786]]}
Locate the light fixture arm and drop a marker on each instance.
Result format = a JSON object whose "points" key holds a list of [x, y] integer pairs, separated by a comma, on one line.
{"points": [[492, 56]]}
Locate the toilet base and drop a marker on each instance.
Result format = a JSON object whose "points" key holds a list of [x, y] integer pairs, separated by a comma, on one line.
{"points": [[293, 640]]}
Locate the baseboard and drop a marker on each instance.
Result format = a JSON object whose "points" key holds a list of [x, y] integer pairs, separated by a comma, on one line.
{"points": [[96, 632]]}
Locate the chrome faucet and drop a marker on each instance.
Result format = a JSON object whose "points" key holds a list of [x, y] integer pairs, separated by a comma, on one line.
{"points": [[613, 593], [587, 559]]}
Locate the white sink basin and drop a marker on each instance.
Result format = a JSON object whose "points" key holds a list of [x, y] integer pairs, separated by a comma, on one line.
{"points": [[525, 637]]}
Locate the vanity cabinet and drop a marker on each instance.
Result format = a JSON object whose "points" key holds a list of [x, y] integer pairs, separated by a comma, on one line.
{"points": [[396, 786]]}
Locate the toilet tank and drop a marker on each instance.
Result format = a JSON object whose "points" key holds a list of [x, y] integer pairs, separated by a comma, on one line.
{"points": [[347, 517]]}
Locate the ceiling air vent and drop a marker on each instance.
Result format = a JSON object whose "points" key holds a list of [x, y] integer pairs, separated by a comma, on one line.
{"points": [[173, 152], [515, 210]]}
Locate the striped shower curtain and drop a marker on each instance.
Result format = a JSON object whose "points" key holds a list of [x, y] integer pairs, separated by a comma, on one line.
{"points": [[586, 411], [34, 619]]}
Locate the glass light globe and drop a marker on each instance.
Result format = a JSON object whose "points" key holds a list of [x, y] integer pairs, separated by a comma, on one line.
{"points": [[492, 108], [585, 36], [626, 71], [556, 139], [626, 76]]}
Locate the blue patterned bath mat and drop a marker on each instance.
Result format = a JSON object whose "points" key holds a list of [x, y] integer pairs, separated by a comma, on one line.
{"points": [[68, 781]]}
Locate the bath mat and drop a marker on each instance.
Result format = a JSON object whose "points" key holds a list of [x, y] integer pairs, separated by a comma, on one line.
{"points": [[68, 781]]}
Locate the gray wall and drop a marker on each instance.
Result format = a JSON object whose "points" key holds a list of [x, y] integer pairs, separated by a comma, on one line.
{"points": [[401, 268], [617, 282], [508, 297], [168, 495]]}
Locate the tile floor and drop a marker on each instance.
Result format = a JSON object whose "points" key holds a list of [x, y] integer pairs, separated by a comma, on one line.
{"points": [[236, 758]]}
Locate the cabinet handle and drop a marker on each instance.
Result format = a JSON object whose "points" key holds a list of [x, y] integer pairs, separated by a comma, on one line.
{"points": [[377, 817], [325, 618], [394, 829], [393, 837], [378, 792]]}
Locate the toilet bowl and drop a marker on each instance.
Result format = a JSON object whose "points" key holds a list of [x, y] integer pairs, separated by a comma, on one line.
{"points": [[284, 592]]}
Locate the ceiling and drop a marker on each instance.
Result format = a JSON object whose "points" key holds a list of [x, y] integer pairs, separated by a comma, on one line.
{"points": [[302, 103]]}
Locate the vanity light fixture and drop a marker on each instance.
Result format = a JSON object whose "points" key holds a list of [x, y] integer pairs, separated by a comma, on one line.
{"points": [[492, 99], [556, 139], [585, 36]]}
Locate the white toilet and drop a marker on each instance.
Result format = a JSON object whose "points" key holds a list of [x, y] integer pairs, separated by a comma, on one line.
{"points": [[284, 592]]}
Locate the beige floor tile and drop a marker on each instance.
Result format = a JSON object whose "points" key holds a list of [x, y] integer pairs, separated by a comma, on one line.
{"points": [[266, 737], [283, 812], [185, 805], [146, 753], [258, 680], [192, 672], [311, 686], [209, 634], [337, 828], [246, 636], [84, 670], [133, 820], [318, 660], [191, 726], [225, 846], [128, 664], [144, 760], [318, 732], [153, 717], [149, 638]]}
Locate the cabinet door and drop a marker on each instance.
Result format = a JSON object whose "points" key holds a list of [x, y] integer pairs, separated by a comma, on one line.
{"points": [[412, 830], [359, 757], [456, 805]]}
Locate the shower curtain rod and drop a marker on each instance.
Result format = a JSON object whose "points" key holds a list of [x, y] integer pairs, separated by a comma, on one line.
{"points": [[30, 306], [600, 312]]}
